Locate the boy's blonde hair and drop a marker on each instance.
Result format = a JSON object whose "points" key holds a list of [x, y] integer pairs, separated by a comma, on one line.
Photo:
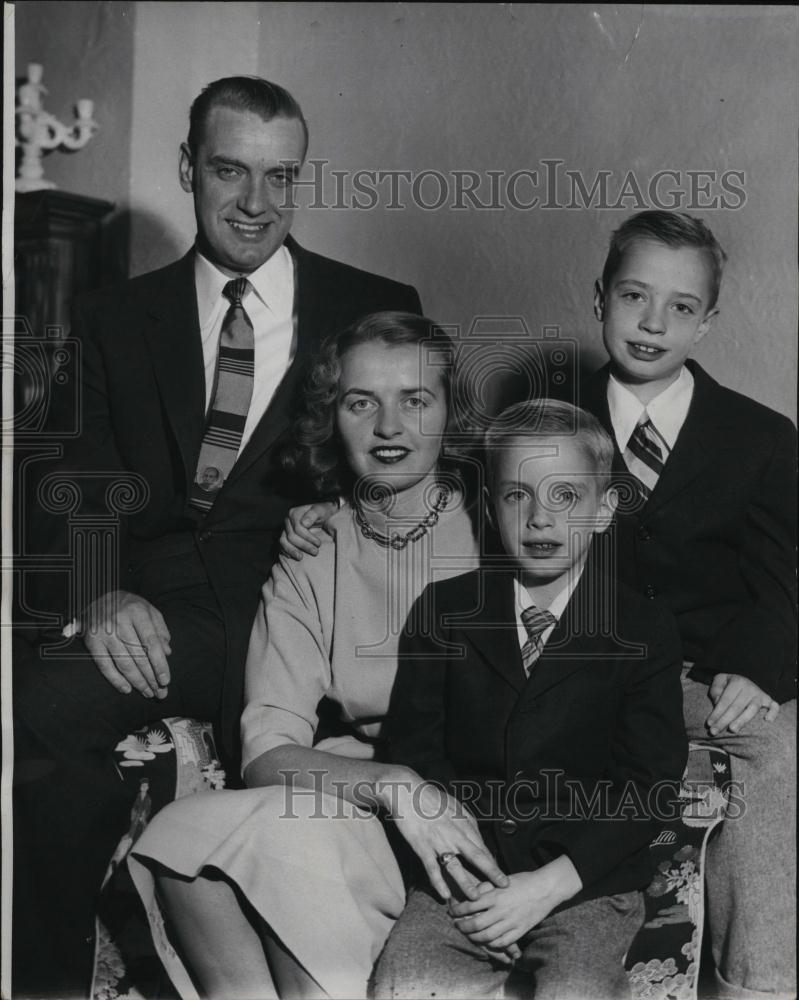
{"points": [[546, 418]]}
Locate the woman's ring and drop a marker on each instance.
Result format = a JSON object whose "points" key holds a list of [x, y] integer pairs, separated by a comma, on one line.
{"points": [[447, 858]]}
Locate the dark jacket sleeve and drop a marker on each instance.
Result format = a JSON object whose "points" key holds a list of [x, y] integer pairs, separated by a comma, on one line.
{"points": [[760, 641], [648, 754]]}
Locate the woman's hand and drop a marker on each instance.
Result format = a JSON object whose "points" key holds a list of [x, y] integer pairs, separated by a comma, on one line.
{"points": [[497, 918], [302, 529], [435, 824]]}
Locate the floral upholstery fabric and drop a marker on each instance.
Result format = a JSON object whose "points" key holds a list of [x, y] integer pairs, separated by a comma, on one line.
{"points": [[177, 757], [663, 961], [160, 762]]}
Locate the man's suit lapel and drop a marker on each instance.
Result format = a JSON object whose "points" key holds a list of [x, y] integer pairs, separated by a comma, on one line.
{"points": [[175, 347], [492, 629], [308, 319]]}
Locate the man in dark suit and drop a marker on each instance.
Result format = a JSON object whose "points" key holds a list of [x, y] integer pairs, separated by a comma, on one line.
{"points": [[709, 530], [547, 699], [186, 381]]}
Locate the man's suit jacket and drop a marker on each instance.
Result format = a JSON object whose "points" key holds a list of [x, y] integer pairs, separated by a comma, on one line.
{"points": [[143, 414], [716, 540], [598, 724]]}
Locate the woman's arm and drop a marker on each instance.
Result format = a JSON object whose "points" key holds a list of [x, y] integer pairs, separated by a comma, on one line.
{"points": [[433, 822], [288, 673]]}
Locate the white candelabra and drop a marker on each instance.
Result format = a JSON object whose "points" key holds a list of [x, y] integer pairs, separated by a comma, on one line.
{"points": [[38, 131]]}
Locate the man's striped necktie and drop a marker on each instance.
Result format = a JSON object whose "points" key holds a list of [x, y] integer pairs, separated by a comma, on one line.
{"points": [[231, 399], [536, 622], [646, 454]]}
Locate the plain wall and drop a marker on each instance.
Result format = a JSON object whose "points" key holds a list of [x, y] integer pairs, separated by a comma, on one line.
{"points": [[483, 87]]}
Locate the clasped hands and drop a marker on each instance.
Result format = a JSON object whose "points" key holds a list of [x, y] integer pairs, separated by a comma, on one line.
{"points": [[494, 911]]}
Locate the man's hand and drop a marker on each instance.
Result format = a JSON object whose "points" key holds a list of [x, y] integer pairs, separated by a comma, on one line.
{"points": [[128, 640], [302, 529], [736, 701], [435, 824], [498, 918]]}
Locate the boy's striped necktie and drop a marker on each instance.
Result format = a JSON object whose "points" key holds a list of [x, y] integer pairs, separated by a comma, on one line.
{"points": [[646, 454], [536, 622], [232, 394]]}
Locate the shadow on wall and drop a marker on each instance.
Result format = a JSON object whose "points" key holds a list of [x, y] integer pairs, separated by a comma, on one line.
{"points": [[500, 362], [157, 243], [116, 248]]}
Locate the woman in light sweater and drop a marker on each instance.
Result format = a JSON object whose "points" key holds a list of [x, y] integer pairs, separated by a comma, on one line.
{"points": [[290, 887]]}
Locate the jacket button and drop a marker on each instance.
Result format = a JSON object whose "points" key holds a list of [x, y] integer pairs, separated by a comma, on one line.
{"points": [[644, 533], [650, 592], [509, 826], [206, 536]]}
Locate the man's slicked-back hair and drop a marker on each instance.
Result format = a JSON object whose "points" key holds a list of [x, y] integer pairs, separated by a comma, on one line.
{"points": [[242, 93], [672, 229], [537, 420]]}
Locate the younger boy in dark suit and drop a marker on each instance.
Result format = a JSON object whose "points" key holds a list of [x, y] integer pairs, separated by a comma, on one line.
{"points": [[711, 532], [548, 700]]}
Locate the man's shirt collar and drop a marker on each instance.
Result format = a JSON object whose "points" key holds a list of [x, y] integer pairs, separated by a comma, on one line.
{"points": [[272, 282]]}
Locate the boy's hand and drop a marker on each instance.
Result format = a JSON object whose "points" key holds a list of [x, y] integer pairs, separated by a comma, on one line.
{"points": [[503, 956], [736, 701], [301, 529], [499, 917]]}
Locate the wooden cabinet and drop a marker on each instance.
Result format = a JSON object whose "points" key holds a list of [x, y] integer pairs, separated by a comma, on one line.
{"points": [[57, 252]]}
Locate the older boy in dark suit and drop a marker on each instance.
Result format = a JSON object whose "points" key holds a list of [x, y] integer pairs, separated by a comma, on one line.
{"points": [[548, 700], [710, 531]]}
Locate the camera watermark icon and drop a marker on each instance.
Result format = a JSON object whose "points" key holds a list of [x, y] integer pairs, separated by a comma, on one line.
{"points": [[46, 370]]}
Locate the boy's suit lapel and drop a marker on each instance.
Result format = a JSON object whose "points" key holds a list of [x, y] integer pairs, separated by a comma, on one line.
{"points": [[695, 446], [576, 641], [492, 629], [175, 347], [696, 443]]}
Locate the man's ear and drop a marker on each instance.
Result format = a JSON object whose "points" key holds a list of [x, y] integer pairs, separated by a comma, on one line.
{"points": [[599, 300], [706, 324], [489, 508], [186, 168], [608, 503]]}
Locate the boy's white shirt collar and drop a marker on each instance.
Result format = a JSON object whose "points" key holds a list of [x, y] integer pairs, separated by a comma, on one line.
{"points": [[556, 608], [272, 282], [667, 411]]}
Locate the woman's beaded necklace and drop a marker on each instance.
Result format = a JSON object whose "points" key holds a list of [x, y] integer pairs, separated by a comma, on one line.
{"points": [[397, 541]]}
